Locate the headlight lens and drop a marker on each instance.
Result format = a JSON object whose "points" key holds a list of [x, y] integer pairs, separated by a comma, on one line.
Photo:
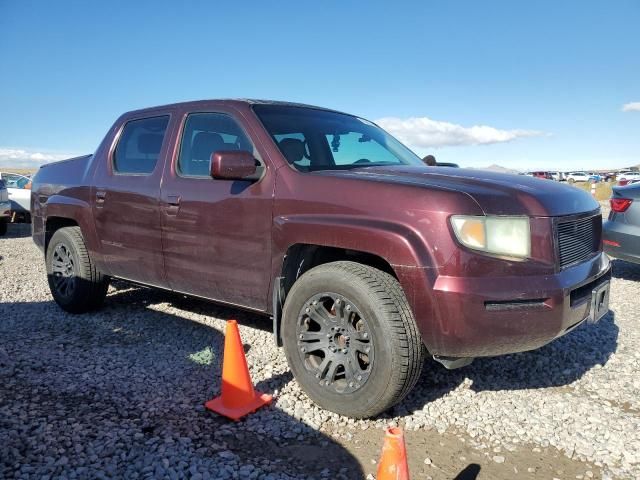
{"points": [[510, 236]]}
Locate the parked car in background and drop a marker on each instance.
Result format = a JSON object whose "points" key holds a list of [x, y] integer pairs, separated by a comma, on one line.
{"points": [[539, 174], [19, 188], [621, 232], [363, 258], [627, 176], [5, 208], [573, 177], [595, 177], [558, 176]]}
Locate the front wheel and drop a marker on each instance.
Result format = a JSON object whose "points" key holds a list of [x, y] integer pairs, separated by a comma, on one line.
{"points": [[75, 283], [350, 339]]}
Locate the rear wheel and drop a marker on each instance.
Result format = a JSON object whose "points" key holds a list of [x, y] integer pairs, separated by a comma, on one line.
{"points": [[76, 285], [3, 226], [350, 339]]}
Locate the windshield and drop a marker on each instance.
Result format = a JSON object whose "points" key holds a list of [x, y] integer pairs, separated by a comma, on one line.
{"points": [[312, 139]]}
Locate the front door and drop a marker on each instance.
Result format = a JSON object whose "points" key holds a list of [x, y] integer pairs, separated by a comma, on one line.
{"points": [[216, 233], [126, 202]]}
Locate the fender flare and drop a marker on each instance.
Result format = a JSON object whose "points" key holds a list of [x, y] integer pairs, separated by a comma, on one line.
{"points": [[402, 247], [74, 209]]}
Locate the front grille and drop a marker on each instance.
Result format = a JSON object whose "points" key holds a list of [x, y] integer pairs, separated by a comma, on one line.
{"points": [[578, 239]]}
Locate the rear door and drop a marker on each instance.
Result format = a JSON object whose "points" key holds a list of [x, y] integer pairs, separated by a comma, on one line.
{"points": [[126, 199], [216, 233]]}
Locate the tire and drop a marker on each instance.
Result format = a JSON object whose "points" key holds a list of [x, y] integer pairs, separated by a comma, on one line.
{"points": [[3, 226], [571, 180], [75, 283], [358, 315]]}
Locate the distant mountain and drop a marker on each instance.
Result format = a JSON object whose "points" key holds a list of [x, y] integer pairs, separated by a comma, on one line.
{"points": [[501, 169]]}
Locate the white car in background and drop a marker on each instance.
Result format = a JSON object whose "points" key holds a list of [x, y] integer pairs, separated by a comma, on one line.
{"points": [[19, 189], [628, 176], [578, 177]]}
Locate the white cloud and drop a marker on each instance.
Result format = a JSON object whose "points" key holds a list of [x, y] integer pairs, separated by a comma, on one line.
{"points": [[16, 157], [423, 132], [631, 107]]}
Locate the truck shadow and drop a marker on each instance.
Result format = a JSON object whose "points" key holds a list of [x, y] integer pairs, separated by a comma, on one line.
{"points": [[17, 230], [625, 270], [557, 364], [134, 377]]}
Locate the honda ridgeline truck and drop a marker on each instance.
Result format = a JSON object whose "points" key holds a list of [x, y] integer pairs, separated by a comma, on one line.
{"points": [[365, 259]]}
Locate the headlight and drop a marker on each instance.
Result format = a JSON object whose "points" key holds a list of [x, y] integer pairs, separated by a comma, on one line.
{"points": [[510, 236]]}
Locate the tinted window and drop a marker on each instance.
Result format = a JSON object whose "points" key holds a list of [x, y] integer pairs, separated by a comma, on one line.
{"points": [[139, 146], [313, 139], [294, 146], [351, 147], [204, 134]]}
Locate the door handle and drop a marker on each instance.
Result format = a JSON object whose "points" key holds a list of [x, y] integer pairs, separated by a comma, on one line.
{"points": [[173, 204], [100, 197]]}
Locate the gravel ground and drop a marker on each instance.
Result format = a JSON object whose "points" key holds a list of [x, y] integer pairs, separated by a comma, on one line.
{"points": [[119, 393]]}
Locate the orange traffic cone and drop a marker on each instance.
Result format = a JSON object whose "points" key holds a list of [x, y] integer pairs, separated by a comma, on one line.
{"points": [[238, 396], [393, 463]]}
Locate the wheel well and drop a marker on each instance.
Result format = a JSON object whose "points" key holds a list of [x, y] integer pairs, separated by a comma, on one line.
{"points": [[56, 223], [303, 257]]}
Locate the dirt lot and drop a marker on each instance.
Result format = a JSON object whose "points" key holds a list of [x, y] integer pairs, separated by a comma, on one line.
{"points": [[119, 393]]}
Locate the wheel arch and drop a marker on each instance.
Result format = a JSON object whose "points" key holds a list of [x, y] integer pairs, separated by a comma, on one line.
{"points": [[303, 242], [64, 211]]}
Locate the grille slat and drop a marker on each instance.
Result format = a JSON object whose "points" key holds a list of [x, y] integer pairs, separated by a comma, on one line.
{"points": [[578, 239]]}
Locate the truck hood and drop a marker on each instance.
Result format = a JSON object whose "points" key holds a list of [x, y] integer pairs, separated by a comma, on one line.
{"points": [[496, 193]]}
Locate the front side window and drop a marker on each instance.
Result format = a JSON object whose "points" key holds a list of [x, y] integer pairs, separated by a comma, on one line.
{"points": [[204, 134], [312, 139], [139, 145]]}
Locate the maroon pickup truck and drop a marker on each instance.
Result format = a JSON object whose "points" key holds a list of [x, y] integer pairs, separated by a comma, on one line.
{"points": [[365, 259]]}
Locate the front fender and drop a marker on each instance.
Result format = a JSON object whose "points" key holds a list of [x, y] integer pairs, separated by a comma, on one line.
{"points": [[398, 244], [408, 253]]}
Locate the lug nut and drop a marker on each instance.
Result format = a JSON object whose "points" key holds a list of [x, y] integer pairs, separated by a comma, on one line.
{"points": [[344, 350], [303, 350]]}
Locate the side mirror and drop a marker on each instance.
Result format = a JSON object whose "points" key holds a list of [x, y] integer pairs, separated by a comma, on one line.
{"points": [[232, 165]]}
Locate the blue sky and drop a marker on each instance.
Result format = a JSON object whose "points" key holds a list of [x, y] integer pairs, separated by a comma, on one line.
{"points": [[543, 83]]}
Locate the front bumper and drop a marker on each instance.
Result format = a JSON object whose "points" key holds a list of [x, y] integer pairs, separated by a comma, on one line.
{"points": [[487, 316], [626, 236]]}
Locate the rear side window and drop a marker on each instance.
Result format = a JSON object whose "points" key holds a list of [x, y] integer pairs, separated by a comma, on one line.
{"points": [[204, 134], [139, 146]]}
